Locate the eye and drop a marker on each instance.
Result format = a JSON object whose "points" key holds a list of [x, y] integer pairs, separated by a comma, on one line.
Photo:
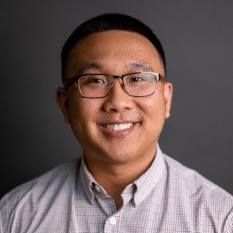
{"points": [[137, 79], [92, 79], [95, 80]]}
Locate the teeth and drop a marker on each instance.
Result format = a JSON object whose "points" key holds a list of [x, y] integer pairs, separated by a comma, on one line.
{"points": [[118, 127]]}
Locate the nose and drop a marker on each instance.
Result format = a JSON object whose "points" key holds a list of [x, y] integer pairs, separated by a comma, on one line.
{"points": [[117, 100]]}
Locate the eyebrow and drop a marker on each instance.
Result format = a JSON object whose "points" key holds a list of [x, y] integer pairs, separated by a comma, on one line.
{"points": [[141, 66], [90, 66]]}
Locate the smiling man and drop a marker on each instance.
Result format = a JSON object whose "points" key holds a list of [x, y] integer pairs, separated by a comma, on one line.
{"points": [[116, 100], [117, 120]]}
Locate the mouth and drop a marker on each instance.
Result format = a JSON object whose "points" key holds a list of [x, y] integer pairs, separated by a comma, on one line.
{"points": [[118, 127]]}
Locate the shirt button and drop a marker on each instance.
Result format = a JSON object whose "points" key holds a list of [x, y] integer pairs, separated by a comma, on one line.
{"points": [[112, 220], [97, 189]]}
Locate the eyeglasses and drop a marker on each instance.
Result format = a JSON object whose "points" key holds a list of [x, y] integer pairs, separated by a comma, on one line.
{"points": [[138, 84]]}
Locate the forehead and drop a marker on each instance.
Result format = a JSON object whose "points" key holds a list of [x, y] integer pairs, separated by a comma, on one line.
{"points": [[114, 49]]}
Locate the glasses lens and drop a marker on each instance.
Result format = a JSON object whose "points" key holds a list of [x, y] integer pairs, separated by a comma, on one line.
{"points": [[140, 84], [94, 85]]}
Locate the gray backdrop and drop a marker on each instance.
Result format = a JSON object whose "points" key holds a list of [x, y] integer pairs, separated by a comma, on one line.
{"points": [[197, 37]]}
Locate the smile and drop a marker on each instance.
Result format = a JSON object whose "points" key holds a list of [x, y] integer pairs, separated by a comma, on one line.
{"points": [[119, 127]]}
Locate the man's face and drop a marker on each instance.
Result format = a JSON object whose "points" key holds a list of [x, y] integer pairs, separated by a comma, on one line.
{"points": [[116, 129]]}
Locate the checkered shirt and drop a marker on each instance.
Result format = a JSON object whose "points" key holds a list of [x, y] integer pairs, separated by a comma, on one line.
{"points": [[168, 198]]}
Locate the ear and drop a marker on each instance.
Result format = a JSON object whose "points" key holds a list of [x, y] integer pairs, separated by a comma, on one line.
{"points": [[168, 90], [62, 101]]}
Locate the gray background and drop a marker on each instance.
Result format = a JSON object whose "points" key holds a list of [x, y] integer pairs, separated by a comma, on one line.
{"points": [[197, 38]]}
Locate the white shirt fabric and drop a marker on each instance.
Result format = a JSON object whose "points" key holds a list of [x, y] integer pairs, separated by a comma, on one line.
{"points": [[169, 197]]}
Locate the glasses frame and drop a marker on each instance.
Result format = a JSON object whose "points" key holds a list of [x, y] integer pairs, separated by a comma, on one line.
{"points": [[70, 81]]}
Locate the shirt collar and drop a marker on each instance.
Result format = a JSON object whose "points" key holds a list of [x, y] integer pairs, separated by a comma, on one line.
{"points": [[141, 187], [87, 181], [147, 181]]}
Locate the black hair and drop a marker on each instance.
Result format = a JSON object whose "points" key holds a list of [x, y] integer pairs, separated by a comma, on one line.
{"points": [[108, 22]]}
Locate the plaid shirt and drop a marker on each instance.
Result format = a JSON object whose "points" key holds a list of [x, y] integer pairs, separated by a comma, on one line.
{"points": [[167, 198]]}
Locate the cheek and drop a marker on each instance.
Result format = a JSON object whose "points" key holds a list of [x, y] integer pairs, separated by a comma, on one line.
{"points": [[79, 111], [80, 116], [154, 106], [83, 111], [154, 113]]}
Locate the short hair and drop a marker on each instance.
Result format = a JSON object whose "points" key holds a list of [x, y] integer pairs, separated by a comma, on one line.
{"points": [[108, 22]]}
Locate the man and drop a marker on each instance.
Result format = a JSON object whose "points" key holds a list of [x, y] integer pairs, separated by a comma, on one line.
{"points": [[116, 99]]}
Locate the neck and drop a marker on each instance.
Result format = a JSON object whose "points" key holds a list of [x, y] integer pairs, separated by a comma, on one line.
{"points": [[115, 177]]}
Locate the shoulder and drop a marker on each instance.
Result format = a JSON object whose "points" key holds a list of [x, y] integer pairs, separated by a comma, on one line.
{"points": [[197, 195], [48, 181], [191, 179], [41, 191]]}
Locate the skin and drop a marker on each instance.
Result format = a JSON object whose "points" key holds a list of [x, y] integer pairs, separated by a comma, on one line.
{"points": [[115, 158]]}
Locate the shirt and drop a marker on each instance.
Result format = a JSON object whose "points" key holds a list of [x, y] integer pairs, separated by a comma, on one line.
{"points": [[168, 197]]}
